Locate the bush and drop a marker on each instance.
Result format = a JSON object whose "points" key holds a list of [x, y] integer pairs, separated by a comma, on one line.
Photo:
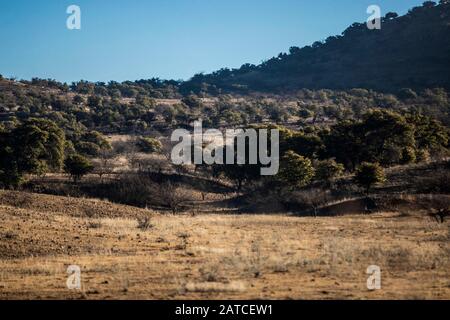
{"points": [[296, 170], [408, 155], [77, 166], [149, 145], [133, 189], [88, 149], [173, 196], [328, 170], [423, 155], [369, 174], [313, 199], [144, 223]]}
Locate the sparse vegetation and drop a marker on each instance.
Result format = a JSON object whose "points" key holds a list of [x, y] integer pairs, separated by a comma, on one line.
{"points": [[144, 223], [369, 174]]}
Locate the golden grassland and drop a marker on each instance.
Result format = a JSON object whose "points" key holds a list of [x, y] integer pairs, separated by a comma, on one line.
{"points": [[214, 256]]}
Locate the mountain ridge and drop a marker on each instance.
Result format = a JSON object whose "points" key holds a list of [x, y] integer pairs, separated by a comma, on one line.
{"points": [[410, 51]]}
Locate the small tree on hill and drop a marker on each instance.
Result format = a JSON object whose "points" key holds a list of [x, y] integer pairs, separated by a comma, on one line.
{"points": [[296, 171], [172, 196], [77, 166], [313, 198], [327, 170], [149, 145], [369, 174]]}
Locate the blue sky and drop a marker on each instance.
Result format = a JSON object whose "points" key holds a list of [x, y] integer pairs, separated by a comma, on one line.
{"points": [[171, 39]]}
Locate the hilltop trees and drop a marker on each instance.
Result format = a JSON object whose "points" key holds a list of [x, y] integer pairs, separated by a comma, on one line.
{"points": [[391, 15], [330, 64]]}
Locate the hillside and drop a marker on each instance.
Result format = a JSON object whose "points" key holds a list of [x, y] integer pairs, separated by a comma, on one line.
{"points": [[411, 51], [214, 256]]}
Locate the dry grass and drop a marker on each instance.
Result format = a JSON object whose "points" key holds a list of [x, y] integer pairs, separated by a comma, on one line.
{"points": [[219, 256]]}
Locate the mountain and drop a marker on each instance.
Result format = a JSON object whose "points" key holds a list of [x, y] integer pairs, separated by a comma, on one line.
{"points": [[410, 51]]}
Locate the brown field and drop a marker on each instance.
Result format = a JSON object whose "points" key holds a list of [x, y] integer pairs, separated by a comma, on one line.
{"points": [[214, 256]]}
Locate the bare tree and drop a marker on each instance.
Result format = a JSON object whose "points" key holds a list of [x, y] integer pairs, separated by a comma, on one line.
{"points": [[440, 215], [174, 197], [104, 164], [313, 198]]}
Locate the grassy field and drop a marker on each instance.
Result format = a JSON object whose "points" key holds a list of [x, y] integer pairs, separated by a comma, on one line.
{"points": [[214, 256]]}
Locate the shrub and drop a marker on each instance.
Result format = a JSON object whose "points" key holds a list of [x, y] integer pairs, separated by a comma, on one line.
{"points": [[313, 199], [296, 170], [173, 196], [149, 145], [77, 166], [87, 149], [408, 155], [328, 170], [369, 174], [144, 223], [423, 155]]}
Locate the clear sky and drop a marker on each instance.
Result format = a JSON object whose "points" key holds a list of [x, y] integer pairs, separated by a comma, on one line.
{"points": [[171, 39]]}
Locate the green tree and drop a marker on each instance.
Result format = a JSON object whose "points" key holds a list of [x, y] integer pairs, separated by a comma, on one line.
{"points": [[192, 101], [87, 149], [307, 145], [96, 138], [78, 99], [145, 101], [54, 145], [408, 155], [296, 171], [77, 166], [380, 137], [91, 144], [327, 170], [241, 174], [429, 134], [369, 174], [345, 142], [34, 147], [9, 171], [94, 101], [149, 145], [386, 133]]}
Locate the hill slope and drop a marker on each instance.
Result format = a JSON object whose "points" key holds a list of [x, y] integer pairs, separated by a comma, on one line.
{"points": [[214, 256], [409, 51]]}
